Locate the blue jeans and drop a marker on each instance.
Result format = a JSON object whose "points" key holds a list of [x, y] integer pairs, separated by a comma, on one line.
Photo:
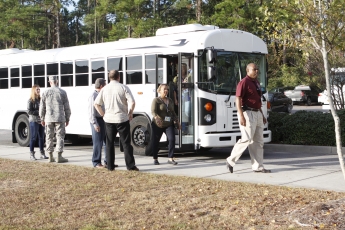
{"points": [[36, 130], [157, 134], [98, 140]]}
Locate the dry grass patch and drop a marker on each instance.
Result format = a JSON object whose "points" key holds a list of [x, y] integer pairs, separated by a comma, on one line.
{"points": [[52, 196]]}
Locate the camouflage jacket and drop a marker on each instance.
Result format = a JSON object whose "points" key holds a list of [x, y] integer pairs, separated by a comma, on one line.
{"points": [[54, 106]]}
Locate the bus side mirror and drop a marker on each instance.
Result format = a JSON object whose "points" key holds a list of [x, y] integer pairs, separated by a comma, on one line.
{"points": [[211, 73], [212, 56]]}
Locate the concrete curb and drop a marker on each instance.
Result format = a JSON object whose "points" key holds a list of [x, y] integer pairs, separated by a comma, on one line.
{"points": [[302, 148]]}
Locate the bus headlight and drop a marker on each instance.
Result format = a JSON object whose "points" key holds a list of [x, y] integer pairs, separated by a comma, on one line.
{"points": [[208, 117]]}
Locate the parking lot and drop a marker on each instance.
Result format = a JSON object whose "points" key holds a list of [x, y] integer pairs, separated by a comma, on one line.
{"points": [[308, 108]]}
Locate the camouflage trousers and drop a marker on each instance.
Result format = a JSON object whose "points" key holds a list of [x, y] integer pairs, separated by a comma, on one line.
{"points": [[57, 128]]}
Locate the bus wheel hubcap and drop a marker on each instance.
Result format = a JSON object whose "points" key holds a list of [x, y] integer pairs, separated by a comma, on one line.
{"points": [[140, 136]]}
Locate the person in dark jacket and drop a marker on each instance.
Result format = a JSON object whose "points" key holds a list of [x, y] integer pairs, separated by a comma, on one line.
{"points": [[164, 117], [36, 129]]}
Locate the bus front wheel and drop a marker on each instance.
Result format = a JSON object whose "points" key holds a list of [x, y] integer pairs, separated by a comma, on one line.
{"points": [[21, 130], [141, 136]]}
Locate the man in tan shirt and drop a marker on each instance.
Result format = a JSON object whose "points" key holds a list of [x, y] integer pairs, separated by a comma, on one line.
{"points": [[119, 104]]}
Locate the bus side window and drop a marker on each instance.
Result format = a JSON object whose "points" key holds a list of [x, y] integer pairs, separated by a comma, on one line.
{"points": [[4, 78], [27, 76], [134, 70], [81, 73], [14, 74], [52, 69], [66, 69], [39, 75], [98, 68], [116, 64]]}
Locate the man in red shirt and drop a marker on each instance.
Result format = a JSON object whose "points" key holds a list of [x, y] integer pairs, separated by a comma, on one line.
{"points": [[252, 121]]}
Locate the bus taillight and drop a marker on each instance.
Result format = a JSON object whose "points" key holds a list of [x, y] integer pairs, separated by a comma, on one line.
{"points": [[208, 106]]}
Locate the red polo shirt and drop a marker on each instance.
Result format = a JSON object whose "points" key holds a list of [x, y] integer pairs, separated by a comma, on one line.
{"points": [[248, 89]]}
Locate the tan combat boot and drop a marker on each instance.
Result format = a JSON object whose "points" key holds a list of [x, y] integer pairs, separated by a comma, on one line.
{"points": [[51, 158], [60, 159]]}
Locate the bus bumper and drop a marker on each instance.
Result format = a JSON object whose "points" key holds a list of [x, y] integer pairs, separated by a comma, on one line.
{"points": [[226, 139]]}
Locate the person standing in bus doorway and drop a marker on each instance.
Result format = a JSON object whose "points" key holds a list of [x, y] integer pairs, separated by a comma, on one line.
{"points": [[252, 121], [55, 113], [97, 127], [185, 97], [119, 104], [164, 117], [36, 129]]}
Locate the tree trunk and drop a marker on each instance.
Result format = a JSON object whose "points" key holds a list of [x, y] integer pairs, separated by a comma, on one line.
{"points": [[58, 29], [333, 111], [95, 25], [198, 10], [88, 12], [48, 35], [76, 30]]}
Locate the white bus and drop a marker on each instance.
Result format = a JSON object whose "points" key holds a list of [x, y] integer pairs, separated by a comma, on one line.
{"points": [[216, 59]]}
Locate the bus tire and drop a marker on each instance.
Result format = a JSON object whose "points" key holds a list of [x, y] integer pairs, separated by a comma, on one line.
{"points": [[203, 149], [141, 136], [21, 130]]}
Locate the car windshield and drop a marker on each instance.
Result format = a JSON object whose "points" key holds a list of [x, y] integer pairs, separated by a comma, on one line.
{"points": [[230, 69]]}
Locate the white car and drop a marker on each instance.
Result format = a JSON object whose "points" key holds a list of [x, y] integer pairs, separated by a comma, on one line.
{"points": [[322, 98]]}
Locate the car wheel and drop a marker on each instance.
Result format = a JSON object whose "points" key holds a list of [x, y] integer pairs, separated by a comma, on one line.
{"points": [[141, 136], [308, 101], [289, 108]]}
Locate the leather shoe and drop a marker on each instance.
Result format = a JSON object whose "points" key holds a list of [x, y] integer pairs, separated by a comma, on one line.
{"points": [[155, 162], [263, 171], [172, 162], [106, 166], [229, 167], [134, 168]]}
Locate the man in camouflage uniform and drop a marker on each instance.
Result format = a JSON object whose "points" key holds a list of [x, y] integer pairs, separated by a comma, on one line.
{"points": [[55, 113]]}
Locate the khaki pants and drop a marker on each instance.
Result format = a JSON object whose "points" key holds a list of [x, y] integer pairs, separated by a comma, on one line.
{"points": [[252, 137], [59, 129]]}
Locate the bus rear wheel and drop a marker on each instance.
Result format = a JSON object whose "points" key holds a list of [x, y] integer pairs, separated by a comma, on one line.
{"points": [[141, 136], [21, 130]]}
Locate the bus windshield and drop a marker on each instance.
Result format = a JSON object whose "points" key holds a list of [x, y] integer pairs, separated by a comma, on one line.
{"points": [[230, 68]]}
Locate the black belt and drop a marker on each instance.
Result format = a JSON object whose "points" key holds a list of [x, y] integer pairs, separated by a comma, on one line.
{"points": [[245, 108]]}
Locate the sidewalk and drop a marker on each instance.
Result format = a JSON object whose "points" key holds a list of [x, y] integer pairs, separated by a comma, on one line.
{"points": [[295, 166]]}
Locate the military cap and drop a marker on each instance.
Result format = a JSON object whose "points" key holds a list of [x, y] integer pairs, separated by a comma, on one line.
{"points": [[53, 78]]}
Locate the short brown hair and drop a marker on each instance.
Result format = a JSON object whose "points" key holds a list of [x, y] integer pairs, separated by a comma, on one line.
{"points": [[114, 75]]}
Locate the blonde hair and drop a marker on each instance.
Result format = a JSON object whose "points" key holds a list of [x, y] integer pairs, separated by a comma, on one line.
{"points": [[160, 86], [33, 95]]}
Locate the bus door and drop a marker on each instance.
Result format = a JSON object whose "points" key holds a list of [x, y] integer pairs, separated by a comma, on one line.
{"points": [[185, 91]]}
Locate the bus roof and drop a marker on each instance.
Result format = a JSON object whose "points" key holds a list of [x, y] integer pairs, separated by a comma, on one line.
{"points": [[171, 40]]}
